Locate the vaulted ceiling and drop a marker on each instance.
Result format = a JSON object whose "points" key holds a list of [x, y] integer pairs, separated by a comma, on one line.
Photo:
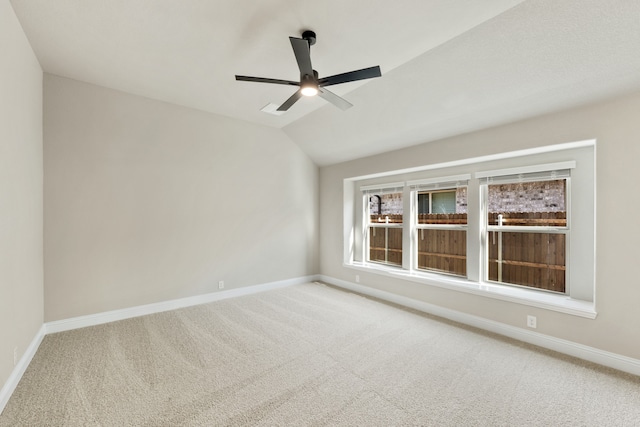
{"points": [[449, 66]]}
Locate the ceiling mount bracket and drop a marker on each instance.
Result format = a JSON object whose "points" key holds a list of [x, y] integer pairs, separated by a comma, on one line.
{"points": [[309, 36]]}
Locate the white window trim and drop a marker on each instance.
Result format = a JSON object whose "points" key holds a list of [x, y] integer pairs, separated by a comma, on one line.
{"points": [[527, 169], [533, 298], [391, 187], [444, 181], [551, 301]]}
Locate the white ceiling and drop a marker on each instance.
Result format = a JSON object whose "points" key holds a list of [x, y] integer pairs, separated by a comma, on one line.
{"points": [[449, 66]]}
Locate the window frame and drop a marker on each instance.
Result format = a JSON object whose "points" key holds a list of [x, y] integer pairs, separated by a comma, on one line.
{"points": [[380, 190], [564, 230], [433, 185], [581, 303]]}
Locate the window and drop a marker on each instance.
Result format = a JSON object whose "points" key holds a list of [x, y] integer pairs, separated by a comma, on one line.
{"points": [[500, 226], [527, 229], [384, 212], [441, 224]]}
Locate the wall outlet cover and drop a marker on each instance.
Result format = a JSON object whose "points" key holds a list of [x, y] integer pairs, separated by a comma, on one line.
{"points": [[532, 322]]}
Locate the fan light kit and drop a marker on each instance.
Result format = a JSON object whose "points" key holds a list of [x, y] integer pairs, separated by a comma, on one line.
{"points": [[310, 84], [309, 89]]}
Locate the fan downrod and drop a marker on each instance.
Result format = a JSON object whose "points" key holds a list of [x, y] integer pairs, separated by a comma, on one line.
{"points": [[309, 36]]}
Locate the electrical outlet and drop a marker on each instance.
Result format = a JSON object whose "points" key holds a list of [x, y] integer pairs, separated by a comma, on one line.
{"points": [[15, 356], [532, 322], [357, 278], [221, 284]]}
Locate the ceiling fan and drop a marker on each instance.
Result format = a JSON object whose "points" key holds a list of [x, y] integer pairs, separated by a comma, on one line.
{"points": [[310, 84]]}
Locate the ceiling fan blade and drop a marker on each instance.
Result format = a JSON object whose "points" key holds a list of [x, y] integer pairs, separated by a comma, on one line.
{"points": [[302, 51], [351, 76], [331, 97], [266, 80], [289, 102]]}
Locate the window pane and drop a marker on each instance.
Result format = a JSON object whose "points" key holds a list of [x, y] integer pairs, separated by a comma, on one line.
{"points": [[385, 208], [443, 250], [443, 202], [535, 260], [443, 207], [424, 202], [385, 245], [538, 203]]}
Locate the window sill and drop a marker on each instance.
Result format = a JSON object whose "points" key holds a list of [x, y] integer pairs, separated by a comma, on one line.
{"points": [[548, 301]]}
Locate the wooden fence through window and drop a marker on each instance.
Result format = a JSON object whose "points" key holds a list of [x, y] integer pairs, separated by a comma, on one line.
{"points": [[530, 259], [391, 253], [536, 260], [546, 219]]}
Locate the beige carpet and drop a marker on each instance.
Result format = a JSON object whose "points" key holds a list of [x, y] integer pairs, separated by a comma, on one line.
{"points": [[309, 355]]}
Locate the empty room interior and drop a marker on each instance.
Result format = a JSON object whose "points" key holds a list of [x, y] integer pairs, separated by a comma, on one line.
{"points": [[319, 213]]}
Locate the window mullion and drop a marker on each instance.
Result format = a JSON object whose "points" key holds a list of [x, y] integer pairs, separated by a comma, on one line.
{"points": [[476, 208], [408, 207]]}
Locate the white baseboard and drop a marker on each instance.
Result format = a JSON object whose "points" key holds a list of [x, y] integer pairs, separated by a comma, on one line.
{"points": [[612, 360], [126, 313], [143, 310], [20, 368]]}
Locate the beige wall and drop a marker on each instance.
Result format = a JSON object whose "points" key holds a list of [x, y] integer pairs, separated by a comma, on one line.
{"points": [[147, 201], [20, 191], [616, 127]]}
